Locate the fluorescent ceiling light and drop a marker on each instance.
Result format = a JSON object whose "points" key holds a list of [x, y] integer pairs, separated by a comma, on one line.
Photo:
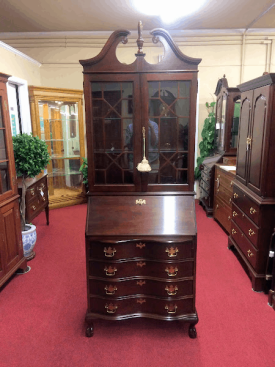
{"points": [[168, 10]]}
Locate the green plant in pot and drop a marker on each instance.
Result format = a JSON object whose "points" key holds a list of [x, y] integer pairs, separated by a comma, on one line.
{"points": [[84, 170], [207, 145], [31, 157]]}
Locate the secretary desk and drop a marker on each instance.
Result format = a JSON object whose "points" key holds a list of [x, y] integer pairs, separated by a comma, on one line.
{"points": [[141, 227]]}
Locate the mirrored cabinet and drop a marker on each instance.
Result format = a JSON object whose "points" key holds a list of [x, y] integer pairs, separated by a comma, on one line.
{"points": [[11, 249], [57, 118], [226, 140]]}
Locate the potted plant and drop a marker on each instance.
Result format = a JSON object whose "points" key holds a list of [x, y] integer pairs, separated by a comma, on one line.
{"points": [[84, 170], [31, 157]]}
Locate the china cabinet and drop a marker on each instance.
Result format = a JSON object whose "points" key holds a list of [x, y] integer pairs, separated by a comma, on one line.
{"points": [[226, 138], [141, 226], [57, 118], [11, 248], [254, 187]]}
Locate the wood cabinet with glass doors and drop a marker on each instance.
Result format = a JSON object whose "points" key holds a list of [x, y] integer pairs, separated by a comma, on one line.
{"points": [[226, 139], [141, 226], [11, 248], [254, 188], [57, 118]]}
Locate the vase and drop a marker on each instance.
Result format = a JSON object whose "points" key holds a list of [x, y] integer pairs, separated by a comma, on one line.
{"points": [[29, 240]]}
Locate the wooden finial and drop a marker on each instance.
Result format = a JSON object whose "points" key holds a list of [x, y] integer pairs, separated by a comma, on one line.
{"points": [[140, 40]]}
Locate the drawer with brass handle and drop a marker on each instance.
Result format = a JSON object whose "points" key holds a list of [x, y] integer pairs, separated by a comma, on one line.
{"points": [[247, 226], [140, 304], [144, 250], [132, 268], [246, 205], [124, 287]]}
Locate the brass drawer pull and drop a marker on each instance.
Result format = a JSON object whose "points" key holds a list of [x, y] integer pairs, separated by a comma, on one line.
{"points": [[141, 264], [250, 253], [231, 183], [171, 308], [42, 186], [140, 245], [141, 282], [141, 301], [252, 210], [217, 206], [233, 231], [33, 208], [109, 252], [111, 308], [218, 182], [235, 195], [172, 251], [234, 213], [230, 201], [251, 232], [229, 217], [32, 192], [110, 290], [44, 199], [140, 202], [110, 272], [171, 271], [171, 290]]}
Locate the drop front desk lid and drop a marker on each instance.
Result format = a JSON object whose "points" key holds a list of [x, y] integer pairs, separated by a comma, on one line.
{"points": [[159, 216]]}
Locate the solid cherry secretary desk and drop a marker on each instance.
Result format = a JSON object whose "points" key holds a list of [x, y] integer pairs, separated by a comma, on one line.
{"points": [[141, 227]]}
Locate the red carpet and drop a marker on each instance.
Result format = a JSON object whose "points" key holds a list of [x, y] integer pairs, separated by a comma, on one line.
{"points": [[42, 312]]}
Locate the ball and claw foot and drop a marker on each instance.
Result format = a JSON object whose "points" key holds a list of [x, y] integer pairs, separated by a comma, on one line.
{"points": [[89, 331], [192, 332]]}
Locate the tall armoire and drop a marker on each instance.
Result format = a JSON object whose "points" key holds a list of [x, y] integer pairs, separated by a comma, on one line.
{"points": [[226, 138], [11, 248], [141, 225], [253, 207]]}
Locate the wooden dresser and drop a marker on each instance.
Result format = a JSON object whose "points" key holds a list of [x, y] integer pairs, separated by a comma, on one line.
{"points": [[141, 225], [253, 206], [223, 193], [147, 268], [37, 198], [11, 248]]}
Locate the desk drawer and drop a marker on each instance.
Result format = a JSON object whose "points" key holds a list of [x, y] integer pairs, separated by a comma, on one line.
{"points": [[140, 305], [246, 225], [141, 268], [142, 249], [222, 213], [248, 206], [109, 288]]}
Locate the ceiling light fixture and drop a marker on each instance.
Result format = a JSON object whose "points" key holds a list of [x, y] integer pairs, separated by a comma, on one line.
{"points": [[168, 11]]}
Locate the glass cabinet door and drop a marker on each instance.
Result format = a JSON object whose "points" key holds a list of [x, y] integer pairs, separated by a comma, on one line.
{"points": [[168, 131], [4, 159], [235, 124], [59, 127], [113, 126]]}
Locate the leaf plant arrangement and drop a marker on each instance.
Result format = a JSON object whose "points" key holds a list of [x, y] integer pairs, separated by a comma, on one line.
{"points": [[31, 157], [84, 170], [207, 145]]}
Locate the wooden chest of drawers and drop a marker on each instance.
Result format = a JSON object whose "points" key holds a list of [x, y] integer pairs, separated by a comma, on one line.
{"points": [[141, 259], [37, 198], [223, 193], [253, 221]]}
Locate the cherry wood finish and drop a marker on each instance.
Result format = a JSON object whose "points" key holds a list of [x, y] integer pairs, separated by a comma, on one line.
{"points": [[254, 188], [145, 268], [223, 194], [11, 248], [37, 198], [141, 227]]}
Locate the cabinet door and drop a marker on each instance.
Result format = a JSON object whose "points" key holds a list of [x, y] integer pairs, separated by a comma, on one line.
{"points": [[257, 136], [245, 117], [114, 139], [11, 242], [168, 112], [7, 170]]}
